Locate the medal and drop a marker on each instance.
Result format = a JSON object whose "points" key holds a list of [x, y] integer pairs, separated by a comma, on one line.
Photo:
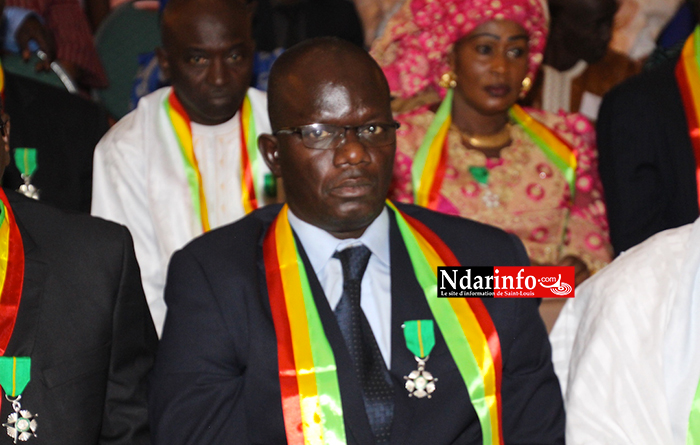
{"points": [[420, 340], [21, 425], [25, 160], [14, 375]]}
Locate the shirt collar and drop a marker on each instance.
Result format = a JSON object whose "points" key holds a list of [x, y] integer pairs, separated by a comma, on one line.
{"points": [[321, 245]]}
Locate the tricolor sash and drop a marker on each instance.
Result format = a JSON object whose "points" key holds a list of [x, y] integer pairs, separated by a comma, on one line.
{"points": [[558, 151], [428, 167], [11, 271], [688, 79], [429, 164], [311, 399], [250, 162]]}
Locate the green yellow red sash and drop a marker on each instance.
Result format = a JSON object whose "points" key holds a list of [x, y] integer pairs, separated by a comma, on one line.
{"points": [[555, 148], [688, 79], [250, 162], [429, 163], [11, 271], [428, 167], [311, 401]]}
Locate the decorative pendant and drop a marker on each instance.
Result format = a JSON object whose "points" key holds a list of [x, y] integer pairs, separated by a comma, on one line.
{"points": [[481, 175], [21, 425], [420, 340], [27, 189], [489, 197], [420, 383], [26, 162]]}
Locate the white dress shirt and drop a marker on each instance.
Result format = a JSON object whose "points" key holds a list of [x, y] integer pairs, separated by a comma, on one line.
{"points": [[376, 282]]}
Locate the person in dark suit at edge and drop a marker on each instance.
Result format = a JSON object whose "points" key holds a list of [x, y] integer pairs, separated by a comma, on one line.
{"points": [[276, 333], [647, 160], [76, 336]]}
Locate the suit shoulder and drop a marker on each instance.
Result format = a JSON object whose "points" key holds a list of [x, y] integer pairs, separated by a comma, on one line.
{"points": [[647, 85], [45, 221], [440, 222], [240, 238], [474, 243]]}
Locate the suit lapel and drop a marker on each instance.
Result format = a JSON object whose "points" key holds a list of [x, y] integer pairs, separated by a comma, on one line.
{"points": [[24, 333], [357, 426]]}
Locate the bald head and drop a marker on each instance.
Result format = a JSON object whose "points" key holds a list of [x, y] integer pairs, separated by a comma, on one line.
{"points": [[316, 69], [179, 12]]}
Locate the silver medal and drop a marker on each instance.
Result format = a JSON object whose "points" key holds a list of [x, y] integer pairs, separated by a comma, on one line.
{"points": [[27, 189], [420, 383], [21, 424]]}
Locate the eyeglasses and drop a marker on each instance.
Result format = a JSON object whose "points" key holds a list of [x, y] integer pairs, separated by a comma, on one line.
{"points": [[329, 137]]}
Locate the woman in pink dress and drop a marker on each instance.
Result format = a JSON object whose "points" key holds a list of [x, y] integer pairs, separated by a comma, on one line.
{"points": [[457, 69]]}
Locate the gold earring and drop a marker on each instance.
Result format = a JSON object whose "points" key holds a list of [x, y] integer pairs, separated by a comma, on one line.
{"points": [[526, 85], [448, 80]]}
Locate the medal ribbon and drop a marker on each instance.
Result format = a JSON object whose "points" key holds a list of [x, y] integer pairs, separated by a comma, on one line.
{"points": [[688, 79], [14, 374], [420, 337], [26, 160], [429, 164], [428, 167], [250, 163], [11, 271], [311, 401]]}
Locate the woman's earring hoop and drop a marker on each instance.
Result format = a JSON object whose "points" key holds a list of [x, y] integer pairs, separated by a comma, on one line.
{"points": [[448, 80]]}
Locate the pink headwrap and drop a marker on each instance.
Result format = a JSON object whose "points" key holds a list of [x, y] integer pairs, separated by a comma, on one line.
{"points": [[414, 49]]}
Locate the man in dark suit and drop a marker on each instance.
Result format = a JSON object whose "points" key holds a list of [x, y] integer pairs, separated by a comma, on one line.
{"points": [[64, 129], [647, 164], [81, 322], [223, 375]]}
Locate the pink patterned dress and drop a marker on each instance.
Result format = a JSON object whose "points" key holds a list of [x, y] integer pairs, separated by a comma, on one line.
{"points": [[525, 193]]}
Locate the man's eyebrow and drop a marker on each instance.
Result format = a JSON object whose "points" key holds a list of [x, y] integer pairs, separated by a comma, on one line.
{"points": [[201, 49]]}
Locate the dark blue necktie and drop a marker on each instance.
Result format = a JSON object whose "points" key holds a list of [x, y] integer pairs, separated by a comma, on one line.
{"points": [[370, 368]]}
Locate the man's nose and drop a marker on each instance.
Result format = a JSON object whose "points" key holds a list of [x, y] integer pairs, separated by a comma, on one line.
{"points": [[217, 73], [351, 149]]}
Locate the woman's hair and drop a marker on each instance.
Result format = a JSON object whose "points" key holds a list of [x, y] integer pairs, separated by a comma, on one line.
{"points": [[414, 49]]}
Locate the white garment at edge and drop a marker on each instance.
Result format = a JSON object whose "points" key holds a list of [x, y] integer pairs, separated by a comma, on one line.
{"points": [[139, 180], [626, 349]]}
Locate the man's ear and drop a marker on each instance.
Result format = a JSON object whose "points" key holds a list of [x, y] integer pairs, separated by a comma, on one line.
{"points": [[163, 62], [268, 145]]}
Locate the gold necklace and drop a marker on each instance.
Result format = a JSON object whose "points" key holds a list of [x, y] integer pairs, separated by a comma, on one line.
{"points": [[490, 141]]}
